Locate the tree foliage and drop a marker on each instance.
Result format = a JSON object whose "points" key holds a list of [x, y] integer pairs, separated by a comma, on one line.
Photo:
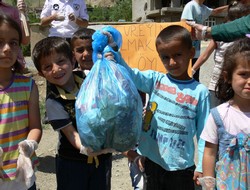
{"points": [[121, 10]]}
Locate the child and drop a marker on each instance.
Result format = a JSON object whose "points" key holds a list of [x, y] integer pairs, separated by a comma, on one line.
{"points": [[178, 107], [235, 10], [75, 167], [137, 176], [15, 12], [227, 129], [196, 11], [81, 45], [20, 127]]}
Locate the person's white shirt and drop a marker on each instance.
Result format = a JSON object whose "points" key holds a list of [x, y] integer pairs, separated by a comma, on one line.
{"points": [[65, 28]]}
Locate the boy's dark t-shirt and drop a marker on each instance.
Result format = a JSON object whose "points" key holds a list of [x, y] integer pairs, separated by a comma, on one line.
{"points": [[60, 110]]}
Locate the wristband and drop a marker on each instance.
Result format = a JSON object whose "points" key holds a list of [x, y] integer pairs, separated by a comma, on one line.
{"points": [[204, 32]]}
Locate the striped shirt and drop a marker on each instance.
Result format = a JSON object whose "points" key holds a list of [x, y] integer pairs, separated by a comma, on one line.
{"points": [[14, 122]]}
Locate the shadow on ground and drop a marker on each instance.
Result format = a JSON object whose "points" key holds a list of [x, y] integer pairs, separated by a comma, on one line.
{"points": [[47, 164], [117, 156]]}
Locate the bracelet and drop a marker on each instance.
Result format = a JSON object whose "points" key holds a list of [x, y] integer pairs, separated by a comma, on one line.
{"points": [[204, 32]]}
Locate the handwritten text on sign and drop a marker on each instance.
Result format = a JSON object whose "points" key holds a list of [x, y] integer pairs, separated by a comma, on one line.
{"points": [[138, 45]]}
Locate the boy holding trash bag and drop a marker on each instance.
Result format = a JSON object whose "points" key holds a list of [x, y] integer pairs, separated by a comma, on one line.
{"points": [[77, 166], [177, 111]]}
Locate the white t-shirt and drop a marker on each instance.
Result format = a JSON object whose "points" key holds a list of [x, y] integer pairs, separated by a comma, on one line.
{"points": [[65, 28], [234, 120], [198, 13]]}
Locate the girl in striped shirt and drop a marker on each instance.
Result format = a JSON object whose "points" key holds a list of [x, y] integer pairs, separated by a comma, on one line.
{"points": [[20, 126]]}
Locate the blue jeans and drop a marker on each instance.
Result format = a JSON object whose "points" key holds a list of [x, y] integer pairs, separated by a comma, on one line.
{"points": [[79, 175]]}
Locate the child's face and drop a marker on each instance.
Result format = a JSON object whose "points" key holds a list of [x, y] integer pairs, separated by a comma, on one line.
{"points": [[58, 70], [9, 46], [175, 57], [241, 78], [82, 50]]}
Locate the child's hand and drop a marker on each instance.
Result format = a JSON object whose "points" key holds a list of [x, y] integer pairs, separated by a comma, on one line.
{"points": [[111, 41], [193, 72], [21, 6], [27, 147], [58, 17], [199, 30], [139, 161], [207, 182], [110, 56], [89, 151], [72, 17], [86, 150], [196, 176], [108, 150]]}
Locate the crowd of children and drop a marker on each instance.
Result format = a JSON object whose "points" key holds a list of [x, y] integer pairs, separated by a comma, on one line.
{"points": [[178, 110]]}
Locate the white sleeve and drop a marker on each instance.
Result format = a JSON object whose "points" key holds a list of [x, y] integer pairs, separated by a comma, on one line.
{"points": [[46, 9], [187, 12], [55, 110], [209, 132], [83, 11]]}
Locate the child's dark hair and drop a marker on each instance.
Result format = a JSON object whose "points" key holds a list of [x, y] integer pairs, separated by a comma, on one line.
{"points": [[47, 46], [174, 32], [236, 10], [240, 48], [83, 33], [5, 19]]}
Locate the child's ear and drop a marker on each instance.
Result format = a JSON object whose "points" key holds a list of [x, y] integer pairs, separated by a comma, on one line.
{"points": [[225, 76]]}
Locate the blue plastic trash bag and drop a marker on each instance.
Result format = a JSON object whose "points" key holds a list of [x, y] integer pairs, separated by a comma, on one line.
{"points": [[108, 105]]}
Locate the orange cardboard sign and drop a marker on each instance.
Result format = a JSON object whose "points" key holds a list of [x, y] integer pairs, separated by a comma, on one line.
{"points": [[138, 45]]}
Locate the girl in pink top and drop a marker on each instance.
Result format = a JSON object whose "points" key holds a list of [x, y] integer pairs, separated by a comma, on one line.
{"points": [[226, 159]]}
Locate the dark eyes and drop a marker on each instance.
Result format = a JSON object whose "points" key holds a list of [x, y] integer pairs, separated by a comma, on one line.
{"points": [[14, 44], [165, 58], [81, 50]]}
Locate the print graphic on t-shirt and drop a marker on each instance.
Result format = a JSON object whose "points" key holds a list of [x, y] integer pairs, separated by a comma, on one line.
{"points": [[149, 115], [56, 7], [76, 7]]}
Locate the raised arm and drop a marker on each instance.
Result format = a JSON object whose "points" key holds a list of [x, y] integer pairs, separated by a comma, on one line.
{"points": [[204, 56], [219, 10], [223, 32]]}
